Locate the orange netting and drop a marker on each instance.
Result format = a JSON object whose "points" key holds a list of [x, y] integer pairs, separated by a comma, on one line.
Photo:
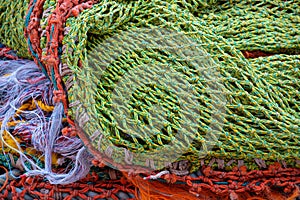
{"points": [[273, 183]]}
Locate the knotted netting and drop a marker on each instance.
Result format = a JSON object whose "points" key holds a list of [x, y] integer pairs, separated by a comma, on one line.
{"points": [[198, 92]]}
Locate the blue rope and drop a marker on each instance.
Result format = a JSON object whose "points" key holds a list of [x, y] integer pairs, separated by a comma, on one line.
{"points": [[27, 19], [36, 56], [52, 70], [221, 183], [53, 78], [51, 32]]}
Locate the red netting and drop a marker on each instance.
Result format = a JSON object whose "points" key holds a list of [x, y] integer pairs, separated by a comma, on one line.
{"points": [[103, 183]]}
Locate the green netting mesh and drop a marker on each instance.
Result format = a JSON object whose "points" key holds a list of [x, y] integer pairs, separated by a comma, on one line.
{"points": [[271, 26], [260, 117], [262, 103], [12, 25]]}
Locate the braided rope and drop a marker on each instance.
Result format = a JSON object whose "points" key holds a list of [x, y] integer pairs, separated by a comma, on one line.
{"points": [[260, 121], [256, 118]]}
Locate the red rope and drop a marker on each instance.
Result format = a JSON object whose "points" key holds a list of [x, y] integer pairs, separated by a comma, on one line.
{"points": [[4, 52], [255, 54]]}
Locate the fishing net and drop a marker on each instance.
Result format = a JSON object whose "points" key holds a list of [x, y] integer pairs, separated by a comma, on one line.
{"points": [[200, 95], [238, 127]]}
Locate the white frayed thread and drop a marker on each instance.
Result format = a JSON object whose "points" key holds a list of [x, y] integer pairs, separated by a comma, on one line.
{"points": [[154, 177], [20, 81]]}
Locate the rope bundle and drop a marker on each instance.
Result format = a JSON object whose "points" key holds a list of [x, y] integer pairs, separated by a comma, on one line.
{"points": [[258, 110], [160, 85]]}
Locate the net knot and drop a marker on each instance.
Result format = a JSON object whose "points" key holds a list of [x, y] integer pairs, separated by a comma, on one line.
{"points": [[59, 96], [69, 131]]}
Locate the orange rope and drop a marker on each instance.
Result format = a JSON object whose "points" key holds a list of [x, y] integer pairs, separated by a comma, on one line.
{"points": [[5, 52], [6, 180], [202, 187], [255, 54]]}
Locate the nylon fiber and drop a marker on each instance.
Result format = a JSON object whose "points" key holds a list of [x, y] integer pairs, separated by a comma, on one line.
{"points": [[168, 99]]}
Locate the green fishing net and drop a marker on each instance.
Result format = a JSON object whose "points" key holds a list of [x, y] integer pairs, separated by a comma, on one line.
{"points": [[12, 25], [142, 103]]}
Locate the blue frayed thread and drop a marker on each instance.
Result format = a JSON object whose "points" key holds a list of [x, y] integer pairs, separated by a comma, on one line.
{"points": [[47, 128]]}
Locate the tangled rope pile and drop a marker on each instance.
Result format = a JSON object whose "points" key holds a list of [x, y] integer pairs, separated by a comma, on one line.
{"points": [[184, 87]]}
